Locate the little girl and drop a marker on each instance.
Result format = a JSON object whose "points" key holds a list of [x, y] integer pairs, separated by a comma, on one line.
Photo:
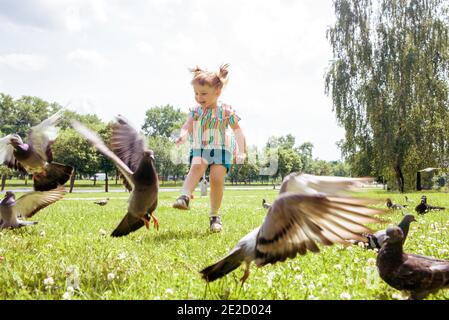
{"points": [[211, 146]]}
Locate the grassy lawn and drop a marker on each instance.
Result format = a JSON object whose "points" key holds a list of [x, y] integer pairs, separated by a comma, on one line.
{"points": [[70, 247]]}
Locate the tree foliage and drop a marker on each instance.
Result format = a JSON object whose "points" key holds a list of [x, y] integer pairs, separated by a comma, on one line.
{"points": [[163, 121], [389, 84]]}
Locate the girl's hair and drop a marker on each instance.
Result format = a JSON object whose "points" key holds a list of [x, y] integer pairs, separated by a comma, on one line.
{"points": [[213, 79]]}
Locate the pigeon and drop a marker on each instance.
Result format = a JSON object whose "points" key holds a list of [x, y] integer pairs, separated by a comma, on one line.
{"points": [[265, 204], [407, 199], [102, 202], [136, 165], [296, 221], [36, 156], [394, 206], [423, 207], [375, 240], [419, 275], [26, 206]]}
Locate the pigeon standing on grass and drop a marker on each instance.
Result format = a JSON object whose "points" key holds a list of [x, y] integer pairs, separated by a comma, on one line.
{"points": [[26, 206], [424, 207], [265, 204], [376, 240], [308, 210], [102, 202], [136, 165], [36, 156], [394, 206], [417, 274]]}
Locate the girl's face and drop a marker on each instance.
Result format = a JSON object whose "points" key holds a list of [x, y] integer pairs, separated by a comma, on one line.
{"points": [[206, 95]]}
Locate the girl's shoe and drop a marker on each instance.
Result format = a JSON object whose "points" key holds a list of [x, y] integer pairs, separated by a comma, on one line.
{"points": [[182, 203], [215, 224]]}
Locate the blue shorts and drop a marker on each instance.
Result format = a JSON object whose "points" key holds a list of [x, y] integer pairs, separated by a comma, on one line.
{"points": [[213, 156]]}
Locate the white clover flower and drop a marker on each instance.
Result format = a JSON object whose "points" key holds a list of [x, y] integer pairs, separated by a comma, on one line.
{"points": [[345, 296], [157, 298], [169, 291], [398, 296], [338, 266], [270, 277], [70, 289], [361, 244], [49, 283], [66, 296], [371, 261], [102, 232], [111, 276], [376, 250], [122, 255], [42, 233]]}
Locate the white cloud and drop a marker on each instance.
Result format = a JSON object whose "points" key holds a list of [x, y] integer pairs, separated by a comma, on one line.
{"points": [[145, 48], [87, 57], [23, 62]]}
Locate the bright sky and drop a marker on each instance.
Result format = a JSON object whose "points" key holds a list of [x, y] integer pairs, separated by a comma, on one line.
{"points": [[111, 56]]}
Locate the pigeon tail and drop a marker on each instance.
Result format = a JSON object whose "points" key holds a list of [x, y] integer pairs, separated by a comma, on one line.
{"points": [[55, 174], [224, 266], [128, 224]]}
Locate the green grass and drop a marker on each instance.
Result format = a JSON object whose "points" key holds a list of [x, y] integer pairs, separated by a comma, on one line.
{"points": [[70, 247]]}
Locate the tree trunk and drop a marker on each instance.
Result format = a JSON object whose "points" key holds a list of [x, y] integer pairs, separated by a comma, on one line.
{"points": [[399, 178], [106, 180], [95, 180], [116, 177], [3, 181], [418, 181], [72, 180]]}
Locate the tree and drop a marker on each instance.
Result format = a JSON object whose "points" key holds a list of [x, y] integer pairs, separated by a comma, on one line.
{"points": [[163, 121], [389, 84], [18, 116]]}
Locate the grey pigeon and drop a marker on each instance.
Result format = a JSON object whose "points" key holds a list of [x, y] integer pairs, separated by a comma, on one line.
{"points": [[297, 220], [102, 202], [136, 165], [376, 240], [419, 275], [36, 156], [26, 206], [423, 207], [394, 206], [265, 204]]}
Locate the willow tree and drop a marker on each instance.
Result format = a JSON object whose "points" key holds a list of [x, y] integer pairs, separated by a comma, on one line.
{"points": [[389, 84]]}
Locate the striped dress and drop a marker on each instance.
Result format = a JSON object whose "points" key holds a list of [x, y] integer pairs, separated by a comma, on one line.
{"points": [[211, 127]]}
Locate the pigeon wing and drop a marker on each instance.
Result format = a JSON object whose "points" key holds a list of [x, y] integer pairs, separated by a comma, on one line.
{"points": [[127, 143], [7, 154], [98, 143], [327, 185], [31, 202], [295, 223], [43, 135]]}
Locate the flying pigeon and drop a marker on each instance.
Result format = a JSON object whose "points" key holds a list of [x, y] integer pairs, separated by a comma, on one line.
{"points": [[424, 207], [102, 202], [265, 204], [136, 165], [36, 156], [417, 274], [26, 206], [394, 206], [297, 220], [376, 240]]}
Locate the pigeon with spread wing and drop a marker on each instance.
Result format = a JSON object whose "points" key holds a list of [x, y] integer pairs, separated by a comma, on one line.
{"points": [[11, 210], [308, 210], [36, 156], [136, 165]]}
